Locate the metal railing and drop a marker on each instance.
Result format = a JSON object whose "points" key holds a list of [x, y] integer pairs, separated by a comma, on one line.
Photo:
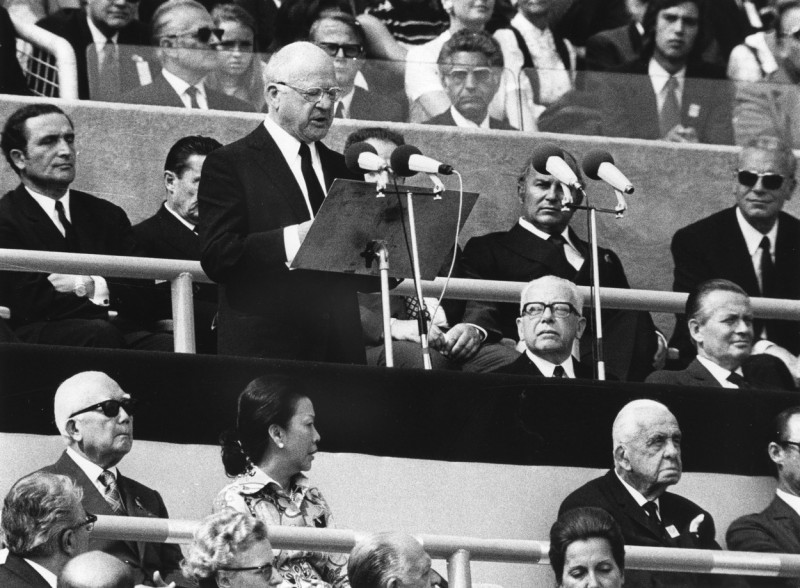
{"points": [[181, 274], [48, 61], [460, 551]]}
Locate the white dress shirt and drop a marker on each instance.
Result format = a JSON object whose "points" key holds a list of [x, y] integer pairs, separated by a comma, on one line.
{"points": [[100, 41], [638, 496], [92, 470], [465, 123], [574, 256], [46, 574], [659, 76], [720, 373], [790, 499], [180, 86], [547, 367], [753, 237]]}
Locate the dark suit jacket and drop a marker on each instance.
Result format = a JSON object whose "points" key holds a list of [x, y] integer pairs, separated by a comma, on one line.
{"points": [[134, 39], [101, 227], [446, 119], [247, 196], [520, 256], [523, 366], [760, 371], [160, 93], [584, 18], [613, 48], [12, 80], [17, 573], [608, 493], [377, 106], [140, 501], [165, 237], [776, 529], [630, 109]]}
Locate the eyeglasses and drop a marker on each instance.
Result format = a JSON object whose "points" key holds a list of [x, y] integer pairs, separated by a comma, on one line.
{"points": [[559, 309], [245, 46], [265, 570], [110, 408], [481, 75], [795, 444], [770, 181], [795, 34], [88, 523], [203, 34], [350, 50], [314, 95]]}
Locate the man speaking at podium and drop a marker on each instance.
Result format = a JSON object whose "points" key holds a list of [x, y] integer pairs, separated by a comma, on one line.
{"points": [[258, 197]]}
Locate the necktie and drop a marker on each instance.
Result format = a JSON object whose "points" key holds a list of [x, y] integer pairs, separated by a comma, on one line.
{"points": [[112, 494], [670, 114], [315, 193], [767, 269], [191, 92], [108, 73], [735, 378], [69, 230], [651, 508], [559, 372], [339, 110], [558, 241]]}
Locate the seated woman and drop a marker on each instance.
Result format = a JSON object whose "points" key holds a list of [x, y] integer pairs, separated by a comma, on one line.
{"points": [[231, 549], [587, 544], [273, 443]]}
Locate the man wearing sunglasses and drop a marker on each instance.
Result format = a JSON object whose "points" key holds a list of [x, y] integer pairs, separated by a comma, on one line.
{"points": [[95, 418], [183, 31], [753, 244], [43, 525]]}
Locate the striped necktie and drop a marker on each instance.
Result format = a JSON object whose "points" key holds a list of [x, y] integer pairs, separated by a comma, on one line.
{"points": [[112, 494]]}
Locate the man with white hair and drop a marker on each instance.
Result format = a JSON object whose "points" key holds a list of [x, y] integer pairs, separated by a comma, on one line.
{"points": [[647, 460], [95, 569], [43, 526], [94, 416], [390, 560]]}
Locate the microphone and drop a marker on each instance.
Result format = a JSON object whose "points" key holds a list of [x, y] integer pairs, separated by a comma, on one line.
{"points": [[407, 160], [548, 159], [599, 165], [362, 157]]}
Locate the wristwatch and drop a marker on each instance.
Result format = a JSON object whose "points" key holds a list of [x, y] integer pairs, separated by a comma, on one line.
{"points": [[80, 286]]}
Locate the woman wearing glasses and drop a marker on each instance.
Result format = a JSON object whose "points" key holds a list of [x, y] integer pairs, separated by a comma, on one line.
{"points": [[232, 549], [273, 443], [241, 70]]}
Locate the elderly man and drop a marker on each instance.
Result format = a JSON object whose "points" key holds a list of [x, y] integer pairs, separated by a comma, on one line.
{"points": [[44, 214], [94, 416], [95, 569], [775, 529], [172, 232], [257, 199], [754, 243], [108, 42], [470, 67], [720, 323], [390, 560], [647, 460], [183, 30], [43, 526]]}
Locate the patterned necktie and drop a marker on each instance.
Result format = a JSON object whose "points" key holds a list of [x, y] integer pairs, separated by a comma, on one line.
{"points": [[69, 230], [112, 494], [670, 115], [767, 269], [191, 92], [559, 372], [315, 193], [735, 378]]}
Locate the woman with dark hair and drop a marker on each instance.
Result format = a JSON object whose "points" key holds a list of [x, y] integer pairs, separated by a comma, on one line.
{"points": [[587, 549], [273, 443]]}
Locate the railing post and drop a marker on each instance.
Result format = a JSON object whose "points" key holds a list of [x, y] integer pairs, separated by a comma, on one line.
{"points": [[458, 573], [183, 313]]}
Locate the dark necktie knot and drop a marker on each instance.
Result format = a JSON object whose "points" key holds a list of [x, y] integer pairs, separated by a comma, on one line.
{"points": [[737, 379], [651, 508], [559, 372], [192, 92], [557, 240], [339, 110], [315, 193]]}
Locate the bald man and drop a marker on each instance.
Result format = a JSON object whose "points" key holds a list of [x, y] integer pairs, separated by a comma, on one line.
{"points": [[95, 418], [95, 569], [387, 560], [647, 461], [258, 197]]}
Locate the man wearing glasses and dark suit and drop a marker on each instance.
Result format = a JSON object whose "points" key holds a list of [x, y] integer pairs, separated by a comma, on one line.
{"points": [[94, 416]]}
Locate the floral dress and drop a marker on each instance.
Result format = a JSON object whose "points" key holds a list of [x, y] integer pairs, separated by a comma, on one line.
{"points": [[302, 506]]}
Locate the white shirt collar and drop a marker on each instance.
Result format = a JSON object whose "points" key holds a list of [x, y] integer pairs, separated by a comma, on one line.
{"points": [[753, 237], [547, 367], [345, 101], [98, 37], [637, 496], [186, 223], [790, 499], [46, 574], [659, 76], [720, 373], [255, 479], [288, 145], [49, 206], [526, 27], [465, 123], [91, 469], [526, 224], [180, 86]]}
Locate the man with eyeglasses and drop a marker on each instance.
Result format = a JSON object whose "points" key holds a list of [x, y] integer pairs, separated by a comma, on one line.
{"points": [[258, 197], [772, 105], [43, 526], [775, 529], [470, 68], [341, 36], [95, 418], [183, 31], [753, 244]]}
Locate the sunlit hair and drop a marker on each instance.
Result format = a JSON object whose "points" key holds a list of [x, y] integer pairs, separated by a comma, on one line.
{"points": [[649, 24], [178, 157], [377, 559], [14, 135], [695, 303], [162, 16], [775, 146], [471, 42], [581, 524]]}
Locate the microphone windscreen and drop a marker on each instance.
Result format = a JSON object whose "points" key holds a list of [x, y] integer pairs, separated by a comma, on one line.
{"points": [[592, 161], [543, 152], [399, 160], [351, 155]]}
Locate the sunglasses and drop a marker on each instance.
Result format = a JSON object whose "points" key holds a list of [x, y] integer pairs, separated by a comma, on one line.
{"points": [[351, 51], [265, 570], [203, 34], [481, 75], [110, 408], [769, 180]]}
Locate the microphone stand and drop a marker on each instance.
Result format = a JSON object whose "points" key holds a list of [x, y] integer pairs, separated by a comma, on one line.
{"points": [[377, 250]]}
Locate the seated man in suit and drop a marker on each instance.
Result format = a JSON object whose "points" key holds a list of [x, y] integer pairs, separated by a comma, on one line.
{"points": [[44, 214], [183, 30], [94, 416], [172, 232], [383, 560], [550, 322], [109, 43], [341, 36], [668, 92], [43, 526], [95, 569], [775, 529], [720, 323], [470, 68], [612, 48], [647, 460], [754, 243]]}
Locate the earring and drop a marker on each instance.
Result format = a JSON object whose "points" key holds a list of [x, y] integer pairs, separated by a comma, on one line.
{"points": [[280, 445]]}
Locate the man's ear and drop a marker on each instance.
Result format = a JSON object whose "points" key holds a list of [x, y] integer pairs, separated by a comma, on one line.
{"points": [[581, 327], [776, 453], [18, 157], [393, 582], [73, 431], [621, 458], [276, 434], [793, 184], [694, 331]]}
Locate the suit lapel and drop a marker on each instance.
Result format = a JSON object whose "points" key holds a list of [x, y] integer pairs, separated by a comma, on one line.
{"points": [[735, 249], [699, 375], [177, 235], [788, 521], [25, 572], [529, 246], [44, 228], [642, 100], [135, 508], [631, 509]]}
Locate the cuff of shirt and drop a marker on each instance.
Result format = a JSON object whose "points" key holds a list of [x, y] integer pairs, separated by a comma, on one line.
{"points": [[761, 346], [291, 242], [481, 331], [101, 295]]}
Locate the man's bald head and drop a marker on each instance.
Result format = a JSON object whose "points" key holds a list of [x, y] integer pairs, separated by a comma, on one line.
{"points": [[383, 560], [295, 61], [78, 392], [95, 569]]}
